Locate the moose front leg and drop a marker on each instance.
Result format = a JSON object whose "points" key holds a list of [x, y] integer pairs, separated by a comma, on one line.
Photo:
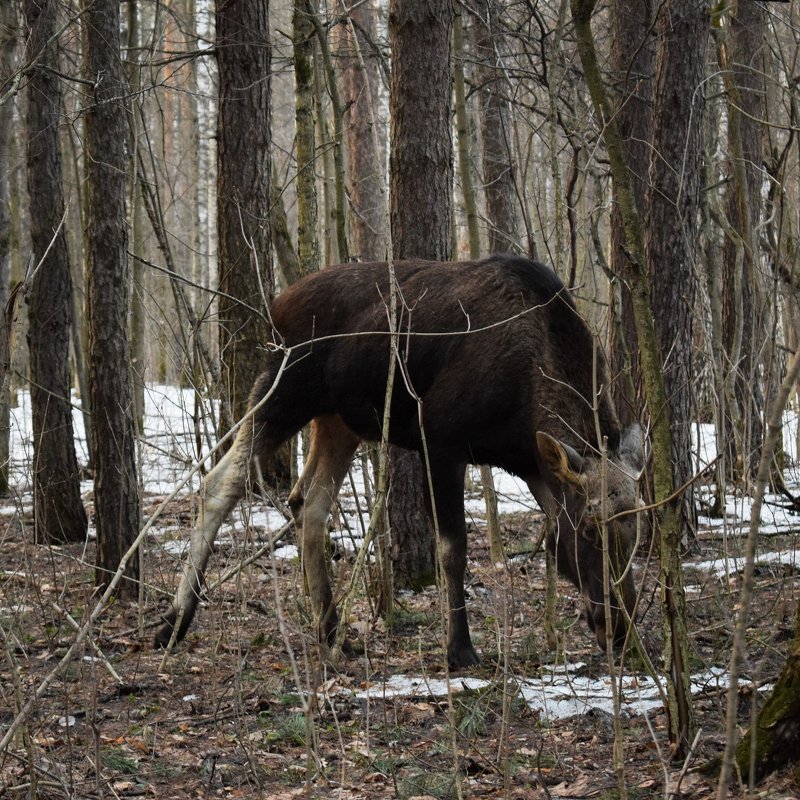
{"points": [[448, 504], [460, 652], [332, 448]]}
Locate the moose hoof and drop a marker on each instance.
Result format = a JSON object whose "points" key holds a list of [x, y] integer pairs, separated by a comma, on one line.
{"points": [[460, 657], [163, 636], [165, 633]]}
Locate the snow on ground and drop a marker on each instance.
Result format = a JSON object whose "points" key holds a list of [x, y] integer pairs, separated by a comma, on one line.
{"points": [[559, 693], [168, 454]]}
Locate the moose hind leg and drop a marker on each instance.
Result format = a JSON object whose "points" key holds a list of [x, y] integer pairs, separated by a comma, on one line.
{"points": [[332, 448], [222, 488]]}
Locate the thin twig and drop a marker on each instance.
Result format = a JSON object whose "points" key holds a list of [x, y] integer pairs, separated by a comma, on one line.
{"points": [[71, 620]]}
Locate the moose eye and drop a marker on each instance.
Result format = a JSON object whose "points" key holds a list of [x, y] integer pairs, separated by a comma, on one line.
{"points": [[590, 534]]}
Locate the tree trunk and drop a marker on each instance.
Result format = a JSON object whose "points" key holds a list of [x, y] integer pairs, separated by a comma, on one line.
{"points": [[138, 312], [8, 45], [744, 312], [307, 214], [776, 737], [668, 520], [672, 206], [287, 259], [117, 508], [633, 64], [243, 199], [58, 511], [495, 122], [496, 552], [421, 175], [672, 216], [334, 150], [366, 184]]}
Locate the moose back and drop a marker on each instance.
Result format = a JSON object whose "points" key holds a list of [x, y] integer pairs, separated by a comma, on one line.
{"points": [[493, 366]]}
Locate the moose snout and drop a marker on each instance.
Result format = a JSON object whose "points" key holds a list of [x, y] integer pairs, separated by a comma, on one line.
{"points": [[596, 619]]}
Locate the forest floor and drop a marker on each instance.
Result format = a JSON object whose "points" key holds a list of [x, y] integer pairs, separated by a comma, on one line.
{"points": [[243, 709]]}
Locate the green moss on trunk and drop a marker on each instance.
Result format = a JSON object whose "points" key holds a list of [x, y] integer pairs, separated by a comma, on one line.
{"points": [[776, 736]]}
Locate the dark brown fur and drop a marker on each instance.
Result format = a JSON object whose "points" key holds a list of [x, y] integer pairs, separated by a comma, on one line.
{"points": [[501, 369]]}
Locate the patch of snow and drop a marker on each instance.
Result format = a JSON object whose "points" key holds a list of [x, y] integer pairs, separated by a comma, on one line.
{"points": [[733, 564], [16, 608], [405, 686], [287, 551], [175, 547], [558, 694]]}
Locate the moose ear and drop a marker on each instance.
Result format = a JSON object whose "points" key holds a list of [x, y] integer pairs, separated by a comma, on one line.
{"points": [[631, 452], [563, 461]]}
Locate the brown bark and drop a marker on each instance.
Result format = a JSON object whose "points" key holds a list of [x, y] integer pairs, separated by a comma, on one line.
{"points": [[307, 215], [668, 520], [58, 511], [672, 214], [743, 318], [243, 182], [8, 45], [421, 179], [421, 169], [672, 206], [360, 79], [495, 120], [776, 736], [633, 65], [117, 509]]}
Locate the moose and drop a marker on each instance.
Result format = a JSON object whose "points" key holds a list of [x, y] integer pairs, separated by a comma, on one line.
{"points": [[494, 366]]}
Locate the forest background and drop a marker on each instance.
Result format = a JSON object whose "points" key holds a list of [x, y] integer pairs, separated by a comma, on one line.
{"points": [[167, 168]]}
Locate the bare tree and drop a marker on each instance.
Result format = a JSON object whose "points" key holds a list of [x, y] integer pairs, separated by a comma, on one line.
{"points": [[633, 64], [243, 197], [493, 89], [421, 179], [304, 37], [669, 519], [360, 72], [58, 510], [740, 47], [672, 214], [8, 46], [117, 505]]}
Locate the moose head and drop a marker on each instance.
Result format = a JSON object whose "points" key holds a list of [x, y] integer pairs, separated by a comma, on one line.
{"points": [[593, 500]]}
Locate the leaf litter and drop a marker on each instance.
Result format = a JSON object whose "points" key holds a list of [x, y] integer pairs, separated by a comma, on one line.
{"points": [[245, 707]]}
